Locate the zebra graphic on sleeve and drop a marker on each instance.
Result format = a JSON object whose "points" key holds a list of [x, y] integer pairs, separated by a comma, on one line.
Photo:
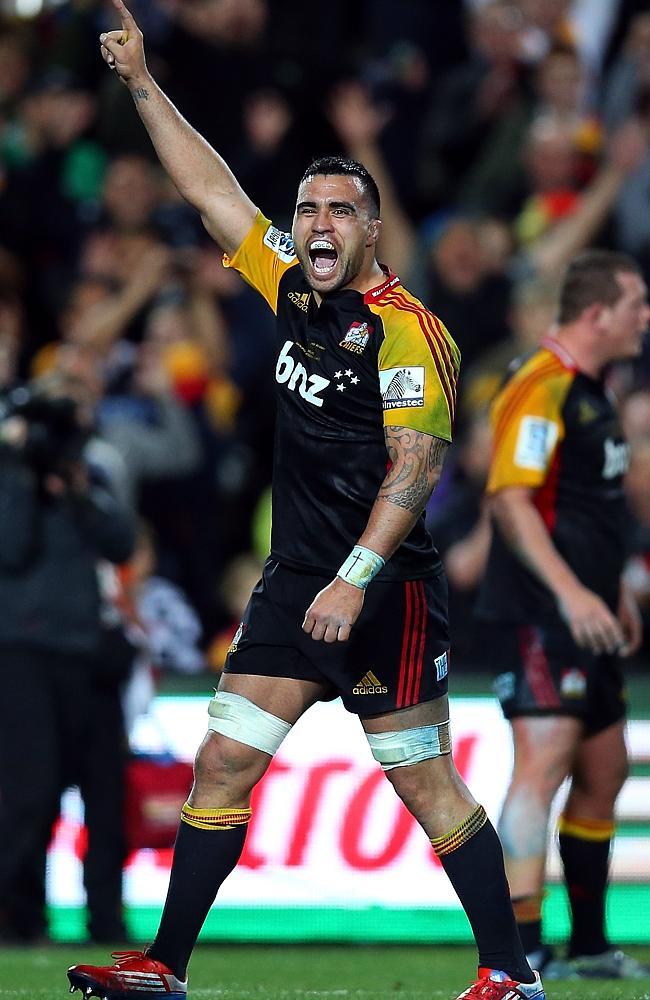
{"points": [[402, 387]]}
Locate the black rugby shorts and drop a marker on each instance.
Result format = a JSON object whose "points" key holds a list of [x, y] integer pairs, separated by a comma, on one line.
{"points": [[541, 671], [397, 654]]}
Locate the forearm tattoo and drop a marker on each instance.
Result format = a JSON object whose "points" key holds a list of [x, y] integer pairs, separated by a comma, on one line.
{"points": [[141, 94], [416, 464]]}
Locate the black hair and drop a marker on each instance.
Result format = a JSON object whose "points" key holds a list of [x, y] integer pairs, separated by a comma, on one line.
{"points": [[349, 168]]}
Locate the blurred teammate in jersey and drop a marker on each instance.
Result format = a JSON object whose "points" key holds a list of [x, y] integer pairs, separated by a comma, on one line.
{"points": [[352, 601], [561, 618]]}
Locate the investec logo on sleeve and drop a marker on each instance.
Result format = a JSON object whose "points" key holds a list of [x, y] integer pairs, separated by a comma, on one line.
{"points": [[296, 377], [402, 387]]}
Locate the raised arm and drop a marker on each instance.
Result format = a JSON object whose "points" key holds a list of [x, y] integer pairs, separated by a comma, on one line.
{"points": [[416, 464], [626, 153], [203, 178]]}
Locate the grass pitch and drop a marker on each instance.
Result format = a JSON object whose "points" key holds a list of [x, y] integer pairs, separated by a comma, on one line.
{"points": [[299, 973]]}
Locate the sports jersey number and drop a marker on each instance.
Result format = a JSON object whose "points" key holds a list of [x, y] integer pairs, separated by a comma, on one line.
{"points": [[296, 377]]}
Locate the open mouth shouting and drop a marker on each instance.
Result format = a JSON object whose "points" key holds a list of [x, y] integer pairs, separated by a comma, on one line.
{"points": [[323, 256]]}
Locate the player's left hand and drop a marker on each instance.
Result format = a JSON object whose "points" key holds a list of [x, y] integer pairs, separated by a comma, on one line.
{"points": [[630, 618], [334, 611], [123, 49]]}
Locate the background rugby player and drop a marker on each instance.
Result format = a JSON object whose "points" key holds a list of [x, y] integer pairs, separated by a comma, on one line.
{"points": [[563, 617]]}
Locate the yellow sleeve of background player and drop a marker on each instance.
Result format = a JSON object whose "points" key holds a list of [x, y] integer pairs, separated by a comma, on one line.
{"points": [[263, 257], [527, 427], [418, 370]]}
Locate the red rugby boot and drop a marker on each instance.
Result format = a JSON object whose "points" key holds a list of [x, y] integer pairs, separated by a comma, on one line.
{"points": [[495, 985], [133, 976]]}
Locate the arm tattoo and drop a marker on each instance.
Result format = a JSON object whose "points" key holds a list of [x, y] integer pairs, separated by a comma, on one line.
{"points": [[415, 470], [141, 94]]}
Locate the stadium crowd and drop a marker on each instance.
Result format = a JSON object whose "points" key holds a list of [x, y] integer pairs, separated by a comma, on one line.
{"points": [[505, 136]]}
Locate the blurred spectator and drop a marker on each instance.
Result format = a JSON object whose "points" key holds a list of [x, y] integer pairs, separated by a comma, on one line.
{"points": [[469, 298], [562, 93], [56, 525], [628, 81], [170, 627], [99, 311], [224, 43], [532, 311], [547, 23], [126, 234], [271, 149], [476, 98], [556, 222], [149, 433], [556, 109], [55, 176], [15, 70]]}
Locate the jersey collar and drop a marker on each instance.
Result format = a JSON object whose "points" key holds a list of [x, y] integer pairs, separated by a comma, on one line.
{"points": [[560, 352], [390, 281]]}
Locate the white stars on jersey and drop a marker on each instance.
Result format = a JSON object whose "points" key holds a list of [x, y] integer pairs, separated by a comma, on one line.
{"points": [[349, 374]]}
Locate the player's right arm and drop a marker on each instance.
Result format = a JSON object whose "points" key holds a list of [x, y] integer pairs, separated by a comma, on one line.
{"points": [[202, 176], [591, 622], [527, 429]]}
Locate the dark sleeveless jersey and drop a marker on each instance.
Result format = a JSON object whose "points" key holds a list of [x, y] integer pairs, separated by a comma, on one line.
{"points": [[556, 430], [344, 370]]}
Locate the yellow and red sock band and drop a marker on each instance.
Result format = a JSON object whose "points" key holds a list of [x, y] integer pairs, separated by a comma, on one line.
{"points": [[597, 830], [461, 833], [214, 819]]}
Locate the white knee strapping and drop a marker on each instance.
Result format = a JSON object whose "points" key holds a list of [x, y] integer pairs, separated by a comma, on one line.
{"points": [[238, 718], [410, 746]]}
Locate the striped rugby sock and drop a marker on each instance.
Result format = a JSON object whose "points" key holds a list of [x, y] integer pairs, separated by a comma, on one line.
{"points": [[208, 845], [584, 848], [472, 858]]}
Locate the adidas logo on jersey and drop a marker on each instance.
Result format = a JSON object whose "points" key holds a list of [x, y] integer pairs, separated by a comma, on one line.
{"points": [[586, 412], [300, 299], [369, 684]]}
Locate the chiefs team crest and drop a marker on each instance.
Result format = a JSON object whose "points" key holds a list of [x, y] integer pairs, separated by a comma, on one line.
{"points": [[357, 337]]}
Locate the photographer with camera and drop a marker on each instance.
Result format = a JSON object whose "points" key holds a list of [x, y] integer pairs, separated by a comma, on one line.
{"points": [[61, 720]]}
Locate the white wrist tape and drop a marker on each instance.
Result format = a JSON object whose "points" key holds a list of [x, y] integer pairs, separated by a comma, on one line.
{"points": [[361, 566]]}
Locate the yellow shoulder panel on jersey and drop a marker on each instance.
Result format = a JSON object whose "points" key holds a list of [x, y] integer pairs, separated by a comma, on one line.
{"points": [[418, 365], [263, 257], [527, 423]]}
